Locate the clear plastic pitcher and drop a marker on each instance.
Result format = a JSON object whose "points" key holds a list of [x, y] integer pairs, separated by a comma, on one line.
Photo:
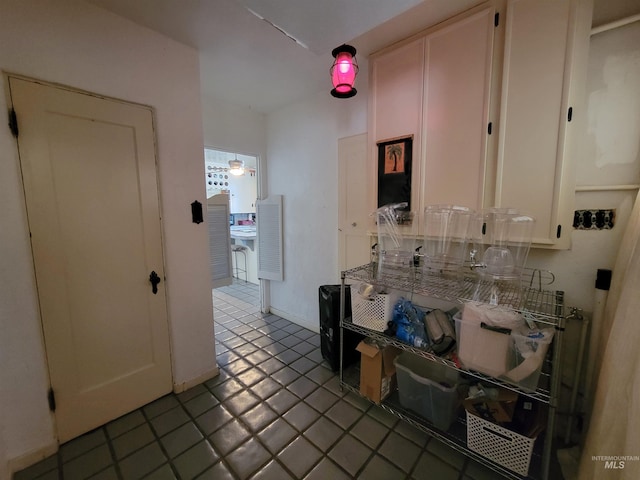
{"points": [[446, 234], [502, 237], [501, 242], [395, 247]]}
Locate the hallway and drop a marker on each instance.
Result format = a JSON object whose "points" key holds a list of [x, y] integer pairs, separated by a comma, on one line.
{"points": [[275, 412]]}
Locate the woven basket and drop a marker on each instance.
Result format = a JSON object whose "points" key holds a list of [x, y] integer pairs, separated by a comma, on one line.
{"points": [[373, 313], [506, 448]]}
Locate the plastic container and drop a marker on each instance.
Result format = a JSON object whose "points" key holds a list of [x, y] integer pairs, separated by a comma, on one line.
{"points": [[395, 243], [483, 334], [499, 343], [501, 241], [394, 263], [428, 388], [446, 229], [501, 238]]}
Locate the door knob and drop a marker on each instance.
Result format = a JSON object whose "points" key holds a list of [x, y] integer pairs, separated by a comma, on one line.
{"points": [[155, 280]]}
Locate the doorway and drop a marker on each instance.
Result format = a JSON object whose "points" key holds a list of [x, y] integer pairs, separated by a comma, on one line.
{"points": [[240, 184], [353, 203]]}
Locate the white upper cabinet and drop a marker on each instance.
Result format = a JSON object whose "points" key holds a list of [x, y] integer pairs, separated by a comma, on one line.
{"points": [[542, 90], [436, 89], [494, 101]]}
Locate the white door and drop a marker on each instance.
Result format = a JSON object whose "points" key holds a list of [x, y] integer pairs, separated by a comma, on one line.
{"points": [[90, 184], [353, 215]]}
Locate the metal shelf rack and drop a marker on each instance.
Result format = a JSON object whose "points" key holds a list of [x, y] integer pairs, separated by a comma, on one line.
{"points": [[543, 306]]}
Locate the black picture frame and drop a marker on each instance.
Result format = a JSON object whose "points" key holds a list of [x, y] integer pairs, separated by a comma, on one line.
{"points": [[394, 171]]}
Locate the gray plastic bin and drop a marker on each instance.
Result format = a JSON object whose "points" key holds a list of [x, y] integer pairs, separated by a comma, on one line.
{"points": [[428, 388]]}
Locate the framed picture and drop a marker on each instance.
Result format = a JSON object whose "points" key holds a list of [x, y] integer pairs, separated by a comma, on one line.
{"points": [[394, 171]]}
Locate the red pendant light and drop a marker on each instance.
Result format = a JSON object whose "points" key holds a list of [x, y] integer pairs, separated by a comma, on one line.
{"points": [[344, 71]]}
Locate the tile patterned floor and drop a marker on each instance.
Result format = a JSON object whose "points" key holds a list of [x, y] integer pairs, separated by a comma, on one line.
{"points": [[275, 412]]}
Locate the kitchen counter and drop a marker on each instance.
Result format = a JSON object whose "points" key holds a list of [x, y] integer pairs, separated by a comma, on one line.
{"points": [[246, 232], [243, 235]]}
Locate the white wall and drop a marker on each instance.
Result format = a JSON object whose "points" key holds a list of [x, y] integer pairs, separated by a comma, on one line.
{"points": [[236, 129], [303, 167], [80, 45]]}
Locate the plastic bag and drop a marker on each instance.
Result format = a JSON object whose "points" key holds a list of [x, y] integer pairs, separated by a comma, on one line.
{"points": [[407, 324]]}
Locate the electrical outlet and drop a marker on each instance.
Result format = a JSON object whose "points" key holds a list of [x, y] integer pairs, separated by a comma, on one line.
{"points": [[594, 219]]}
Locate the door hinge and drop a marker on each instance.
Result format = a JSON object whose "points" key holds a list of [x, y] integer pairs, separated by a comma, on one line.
{"points": [[51, 397], [559, 231], [496, 19], [570, 114], [490, 128], [13, 122]]}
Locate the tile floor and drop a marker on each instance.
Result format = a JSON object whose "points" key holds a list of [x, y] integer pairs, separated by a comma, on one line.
{"points": [[275, 412]]}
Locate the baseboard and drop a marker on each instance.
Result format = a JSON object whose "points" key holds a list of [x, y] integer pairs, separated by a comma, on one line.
{"points": [[31, 458], [294, 319], [181, 387]]}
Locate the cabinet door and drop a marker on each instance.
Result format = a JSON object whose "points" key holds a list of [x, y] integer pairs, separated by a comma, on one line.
{"points": [[397, 77], [396, 105], [532, 174], [458, 61]]}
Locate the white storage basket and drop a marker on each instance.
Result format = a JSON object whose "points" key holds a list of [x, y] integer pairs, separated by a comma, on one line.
{"points": [[506, 448], [373, 313]]}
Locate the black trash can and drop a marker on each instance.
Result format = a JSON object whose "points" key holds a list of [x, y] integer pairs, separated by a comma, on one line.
{"points": [[329, 296]]}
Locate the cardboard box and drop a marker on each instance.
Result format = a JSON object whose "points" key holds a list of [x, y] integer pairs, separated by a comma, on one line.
{"points": [[499, 410], [377, 370]]}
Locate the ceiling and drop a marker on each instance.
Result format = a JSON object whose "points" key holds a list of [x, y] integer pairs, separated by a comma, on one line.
{"points": [[264, 54]]}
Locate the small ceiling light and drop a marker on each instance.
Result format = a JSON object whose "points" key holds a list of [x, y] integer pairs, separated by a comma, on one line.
{"points": [[236, 167], [344, 71]]}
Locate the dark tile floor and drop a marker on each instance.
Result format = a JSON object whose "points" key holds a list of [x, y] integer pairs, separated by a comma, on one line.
{"points": [[276, 411]]}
